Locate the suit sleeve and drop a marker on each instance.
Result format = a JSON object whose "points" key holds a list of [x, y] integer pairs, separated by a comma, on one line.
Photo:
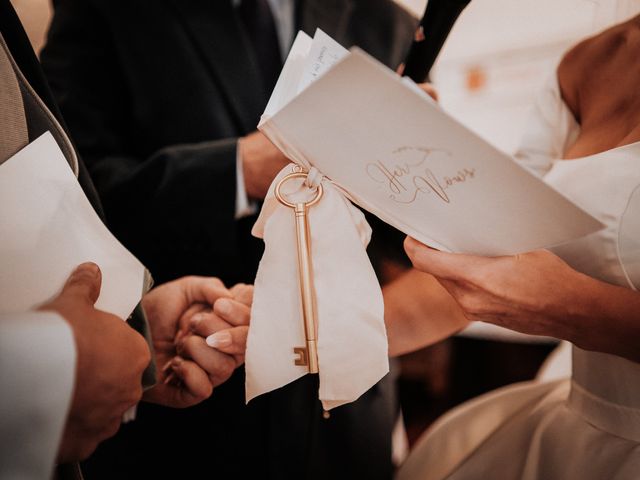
{"points": [[37, 375], [160, 205]]}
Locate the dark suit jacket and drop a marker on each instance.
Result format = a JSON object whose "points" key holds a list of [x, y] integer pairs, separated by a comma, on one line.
{"points": [[156, 93]]}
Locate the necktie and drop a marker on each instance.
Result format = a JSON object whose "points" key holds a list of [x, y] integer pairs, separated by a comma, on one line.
{"points": [[261, 30]]}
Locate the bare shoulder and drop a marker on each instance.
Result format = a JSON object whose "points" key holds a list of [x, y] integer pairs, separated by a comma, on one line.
{"points": [[592, 59], [596, 49]]}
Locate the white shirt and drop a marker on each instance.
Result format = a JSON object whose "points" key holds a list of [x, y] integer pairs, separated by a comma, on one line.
{"points": [[37, 376], [283, 12]]}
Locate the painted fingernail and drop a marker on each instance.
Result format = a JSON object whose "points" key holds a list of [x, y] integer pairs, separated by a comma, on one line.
{"points": [[170, 377], [88, 267], [195, 320], [219, 339], [223, 306], [167, 365], [179, 336]]}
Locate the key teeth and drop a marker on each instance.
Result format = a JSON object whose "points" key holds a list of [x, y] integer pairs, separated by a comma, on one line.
{"points": [[302, 359]]}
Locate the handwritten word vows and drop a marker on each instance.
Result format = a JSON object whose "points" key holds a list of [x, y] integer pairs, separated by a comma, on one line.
{"points": [[409, 175]]}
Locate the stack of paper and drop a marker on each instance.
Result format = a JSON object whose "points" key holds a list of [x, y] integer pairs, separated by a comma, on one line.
{"points": [[396, 153]]}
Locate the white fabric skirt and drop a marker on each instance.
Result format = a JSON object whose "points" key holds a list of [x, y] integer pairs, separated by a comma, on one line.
{"points": [[531, 431]]}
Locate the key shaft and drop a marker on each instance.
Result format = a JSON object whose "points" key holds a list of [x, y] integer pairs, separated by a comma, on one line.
{"points": [[307, 355], [307, 291]]}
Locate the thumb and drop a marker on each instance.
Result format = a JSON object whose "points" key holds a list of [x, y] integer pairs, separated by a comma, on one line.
{"points": [[443, 265], [85, 283]]}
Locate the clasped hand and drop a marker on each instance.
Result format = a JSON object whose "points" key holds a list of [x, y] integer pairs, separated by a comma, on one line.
{"points": [[199, 330], [184, 316]]}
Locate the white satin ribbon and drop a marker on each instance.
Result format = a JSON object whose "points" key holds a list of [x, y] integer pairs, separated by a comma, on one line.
{"points": [[352, 341]]}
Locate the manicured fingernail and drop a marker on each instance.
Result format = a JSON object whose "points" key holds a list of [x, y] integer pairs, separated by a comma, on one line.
{"points": [[167, 365], [219, 339], [195, 320], [170, 377], [223, 306], [176, 362], [88, 267], [179, 336]]}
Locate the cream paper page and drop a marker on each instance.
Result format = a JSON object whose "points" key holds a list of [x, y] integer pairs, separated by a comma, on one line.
{"points": [[398, 155], [48, 228], [324, 53], [308, 59], [290, 78]]}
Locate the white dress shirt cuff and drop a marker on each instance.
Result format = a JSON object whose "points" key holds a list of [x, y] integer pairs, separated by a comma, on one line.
{"points": [[37, 377], [244, 207]]}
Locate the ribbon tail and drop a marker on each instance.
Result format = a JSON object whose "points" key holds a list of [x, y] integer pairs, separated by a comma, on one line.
{"points": [[352, 342]]}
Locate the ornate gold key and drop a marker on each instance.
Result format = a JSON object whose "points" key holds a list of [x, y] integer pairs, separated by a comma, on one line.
{"points": [[307, 355]]}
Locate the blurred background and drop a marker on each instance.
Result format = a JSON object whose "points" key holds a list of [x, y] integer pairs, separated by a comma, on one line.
{"points": [[493, 63], [496, 57], [501, 51]]}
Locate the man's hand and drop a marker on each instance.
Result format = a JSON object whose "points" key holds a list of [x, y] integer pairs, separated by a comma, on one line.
{"points": [[261, 162], [189, 369], [111, 357]]}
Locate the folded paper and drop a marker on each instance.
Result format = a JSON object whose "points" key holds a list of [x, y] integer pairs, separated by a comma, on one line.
{"points": [[49, 227]]}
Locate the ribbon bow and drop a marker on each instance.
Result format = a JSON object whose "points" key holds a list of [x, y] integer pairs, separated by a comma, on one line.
{"points": [[351, 336]]}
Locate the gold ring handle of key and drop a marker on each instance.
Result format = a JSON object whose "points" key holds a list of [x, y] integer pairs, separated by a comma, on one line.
{"points": [[308, 355]]}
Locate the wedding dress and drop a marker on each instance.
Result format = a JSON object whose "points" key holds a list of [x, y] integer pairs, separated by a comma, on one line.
{"points": [[586, 427]]}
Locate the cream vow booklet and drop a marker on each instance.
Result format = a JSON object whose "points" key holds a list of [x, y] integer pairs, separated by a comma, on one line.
{"points": [[396, 153]]}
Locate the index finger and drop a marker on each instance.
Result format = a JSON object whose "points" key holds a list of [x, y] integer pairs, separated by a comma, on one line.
{"points": [[204, 289], [243, 293], [207, 323], [232, 311], [196, 383]]}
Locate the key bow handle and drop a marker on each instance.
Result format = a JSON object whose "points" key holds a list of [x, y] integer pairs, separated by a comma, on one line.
{"points": [[283, 200]]}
